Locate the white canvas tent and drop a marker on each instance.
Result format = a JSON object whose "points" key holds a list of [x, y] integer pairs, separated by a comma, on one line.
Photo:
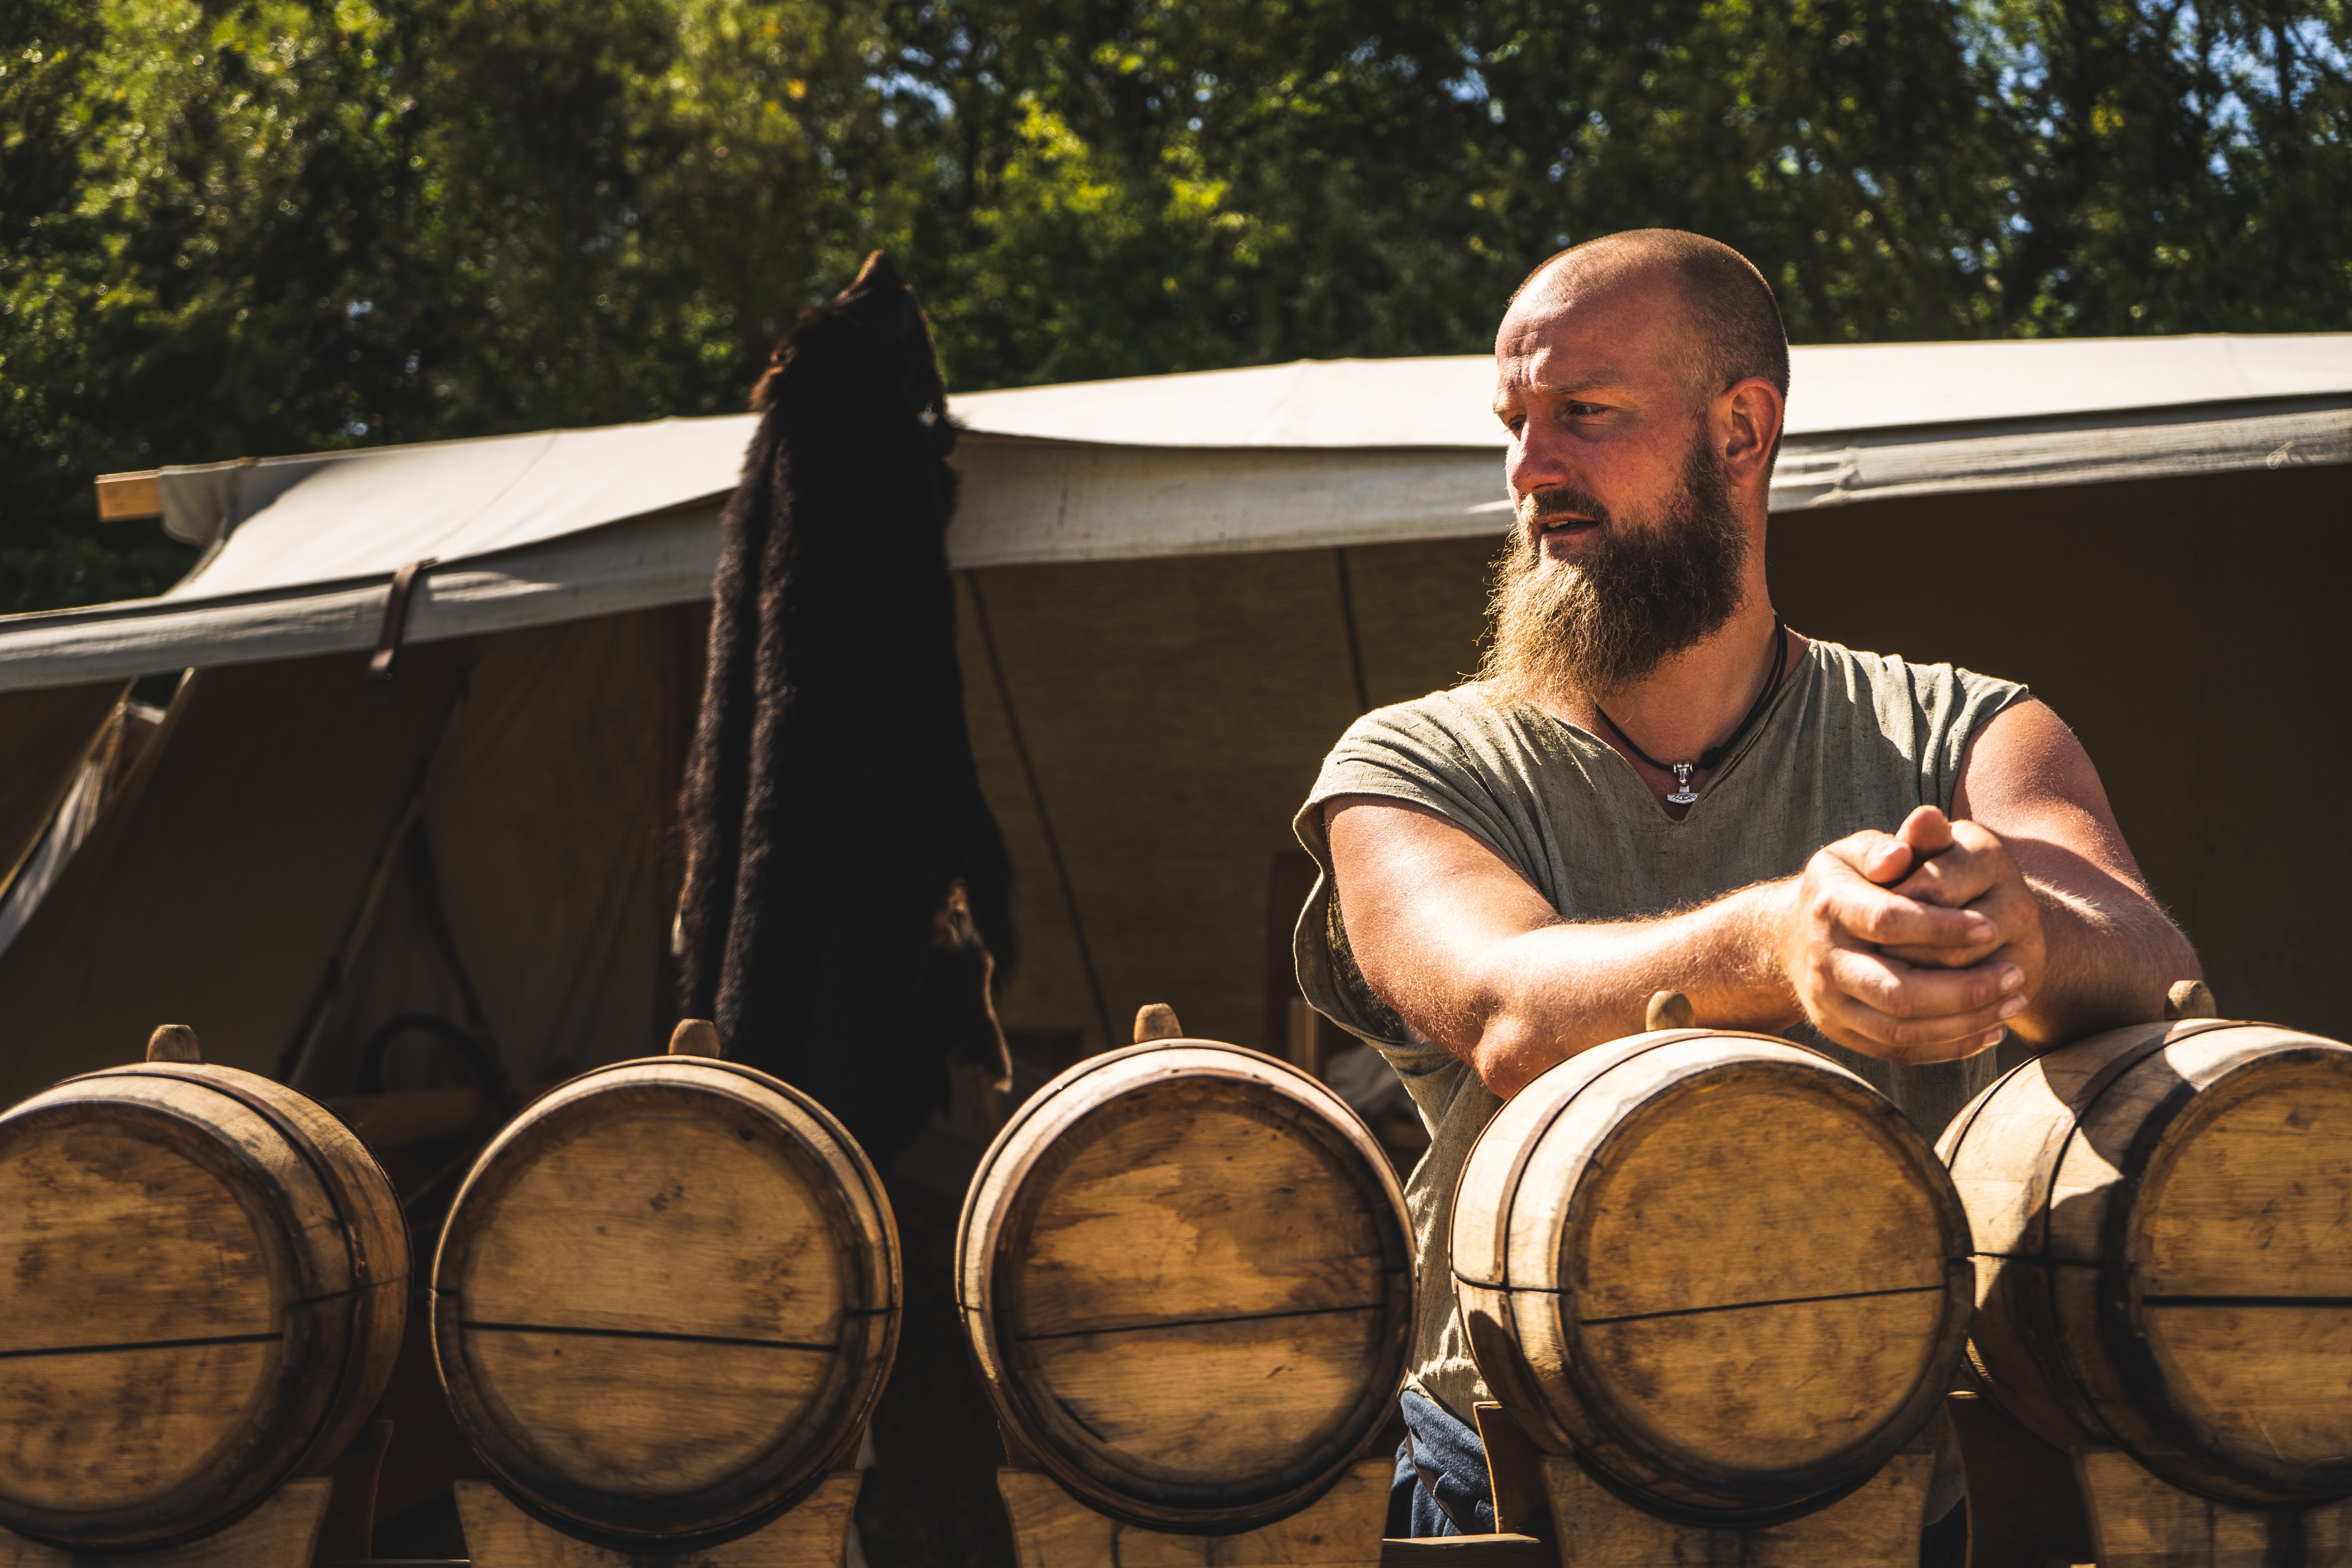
{"points": [[1177, 591]]}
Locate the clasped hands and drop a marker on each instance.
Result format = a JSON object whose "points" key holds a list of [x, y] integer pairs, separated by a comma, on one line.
{"points": [[1915, 946]]}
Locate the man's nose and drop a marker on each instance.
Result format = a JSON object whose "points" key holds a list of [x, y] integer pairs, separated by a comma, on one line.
{"points": [[1537, 459]]}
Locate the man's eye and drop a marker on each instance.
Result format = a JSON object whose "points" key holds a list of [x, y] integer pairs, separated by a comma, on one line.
{"points": [[1584, 410]]}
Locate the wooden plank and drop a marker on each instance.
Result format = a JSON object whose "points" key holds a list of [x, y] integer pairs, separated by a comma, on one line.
{"points": [[281, 1533], [2140, 1521], [814, 1534], [348, 1535], [2025, 1510], [1876, 1526], [125, 498], [1051, 1529], [1515, 1477]]}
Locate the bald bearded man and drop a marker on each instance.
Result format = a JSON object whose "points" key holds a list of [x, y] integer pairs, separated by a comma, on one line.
{"points": [[1656, 785]]}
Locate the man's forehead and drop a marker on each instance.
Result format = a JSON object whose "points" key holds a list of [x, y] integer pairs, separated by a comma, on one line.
{"points": [[1538, 362], [1579, 344]]}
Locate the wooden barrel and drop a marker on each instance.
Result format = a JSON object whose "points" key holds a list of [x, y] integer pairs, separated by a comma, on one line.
{"points": [[2163, 1220], [1720, 1269], [666, 1301], [1186, 1272], [203, 1282]]}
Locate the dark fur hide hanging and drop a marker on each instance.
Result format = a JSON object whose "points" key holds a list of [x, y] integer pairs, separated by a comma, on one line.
{"points": [[847, 891]]}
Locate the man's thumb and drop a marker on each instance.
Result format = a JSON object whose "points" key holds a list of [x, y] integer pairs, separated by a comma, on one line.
{"points": [[1928, 831]]}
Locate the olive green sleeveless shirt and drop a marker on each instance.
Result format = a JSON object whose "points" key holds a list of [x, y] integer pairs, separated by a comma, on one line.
{"points": [[1851, 740]]}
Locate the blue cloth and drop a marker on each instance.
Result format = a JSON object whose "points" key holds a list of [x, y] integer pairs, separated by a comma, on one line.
{"points": [[1441, 1486]]}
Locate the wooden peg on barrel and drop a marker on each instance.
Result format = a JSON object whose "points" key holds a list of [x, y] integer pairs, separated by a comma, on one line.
{"points": [[1157, 1021], [695, 1037], [2189, 999], [174, 1043], [1669, 1010]]}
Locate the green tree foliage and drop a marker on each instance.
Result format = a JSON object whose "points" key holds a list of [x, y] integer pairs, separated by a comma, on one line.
{"points": [[232, 226]]}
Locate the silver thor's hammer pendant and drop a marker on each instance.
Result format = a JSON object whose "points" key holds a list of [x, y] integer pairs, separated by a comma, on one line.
{"points": [[1684, 794]]}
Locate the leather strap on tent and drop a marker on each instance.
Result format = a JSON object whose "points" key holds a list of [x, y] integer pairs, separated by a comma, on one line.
{"points": [[395, 618]]}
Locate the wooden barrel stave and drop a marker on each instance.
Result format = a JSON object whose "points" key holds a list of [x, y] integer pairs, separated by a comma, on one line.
{"points": [[1632, 1301], [1155, 1239], [666, 1301], [2160, 1212], [246, 1350]]}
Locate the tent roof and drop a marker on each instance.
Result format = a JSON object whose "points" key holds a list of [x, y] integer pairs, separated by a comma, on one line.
{"points": [[558, 525], [1841, 387]]}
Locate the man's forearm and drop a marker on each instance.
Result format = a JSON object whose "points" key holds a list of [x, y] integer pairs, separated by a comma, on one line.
{"points": [[2108, 962], [1542, 996]]}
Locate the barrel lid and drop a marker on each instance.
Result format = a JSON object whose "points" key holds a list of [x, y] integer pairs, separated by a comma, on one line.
{"points": [[208, 1267], [1185, 1268], [666, 1300], [1720, 1268]]}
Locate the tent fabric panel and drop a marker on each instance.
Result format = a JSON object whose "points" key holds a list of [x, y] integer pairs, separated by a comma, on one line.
{"points": [[637, 565], [1434, 401], [1046, 990], [1818, 474], [48, 732], [220, 880], [449, 498], [1026, 503], [222, 883], [542, 824], [1176, 712]]}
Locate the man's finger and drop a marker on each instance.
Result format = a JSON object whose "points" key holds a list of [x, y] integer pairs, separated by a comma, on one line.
{"points": [[1864, 1029], [1870, 913], [1860, 1026], [1928, 831], [1946, 957], [1880, 858], [1930, 996], [1964, 871]]}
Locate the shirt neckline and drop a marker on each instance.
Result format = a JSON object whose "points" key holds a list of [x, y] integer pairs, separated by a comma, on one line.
{"points": [[1807, 669]]}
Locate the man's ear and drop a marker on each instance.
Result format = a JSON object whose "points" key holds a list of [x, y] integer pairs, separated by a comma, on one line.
{"points": [[1747, 425]]}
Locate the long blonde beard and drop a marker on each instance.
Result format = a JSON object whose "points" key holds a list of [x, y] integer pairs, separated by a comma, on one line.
{"points": [[1647, 591]]}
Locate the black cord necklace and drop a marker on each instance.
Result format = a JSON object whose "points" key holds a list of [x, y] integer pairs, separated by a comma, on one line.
{"points": [[1683, 794]]}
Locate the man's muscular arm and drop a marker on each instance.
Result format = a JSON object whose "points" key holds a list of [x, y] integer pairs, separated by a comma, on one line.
{"points": [[1914, 946], [2108, 953]]}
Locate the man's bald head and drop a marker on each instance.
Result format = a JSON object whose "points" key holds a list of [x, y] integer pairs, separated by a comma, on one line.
{"points": [[1731, 324]]}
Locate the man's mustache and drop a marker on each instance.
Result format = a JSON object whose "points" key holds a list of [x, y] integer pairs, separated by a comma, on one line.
{"points": [[1541, 508]]}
